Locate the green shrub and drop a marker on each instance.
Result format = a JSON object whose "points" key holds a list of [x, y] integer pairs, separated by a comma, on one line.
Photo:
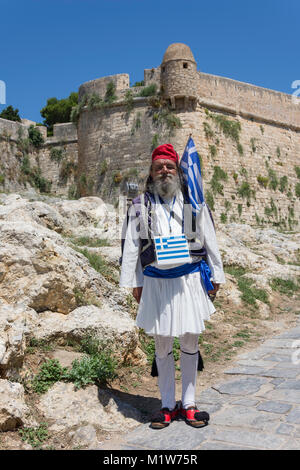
{"points": [[66, 170], [273, 180], [103, 167], [209, 198], [73, 192], [240, 149], [252, 142], [2, 179], [35, 436], [297, 171], [223, 218], [155, 141], [56, 154], [272, 210], [98, 368], [245, 191], [35, 137], [278, 153], [228, 127], [95, 102], [50, 372], [149, 90], [148, 346], [240, 209], [218, 175], [209, 133], [89, 241], [141, 83], [284, 286], [136, 123], [213, 150], [283, 183], [297, 190], [99, 264], [110, 95], [249, 294], [263, 181], [129, 101]]}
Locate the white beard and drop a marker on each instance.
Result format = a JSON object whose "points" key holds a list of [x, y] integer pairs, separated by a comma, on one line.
{"points": [[166, 187]]}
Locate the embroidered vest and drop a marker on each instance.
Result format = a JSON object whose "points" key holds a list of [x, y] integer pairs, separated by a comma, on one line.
{"points": [[143, 205]]}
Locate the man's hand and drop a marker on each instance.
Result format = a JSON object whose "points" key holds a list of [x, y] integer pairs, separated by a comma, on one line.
{"points": [[137, 293], [215, 290]]}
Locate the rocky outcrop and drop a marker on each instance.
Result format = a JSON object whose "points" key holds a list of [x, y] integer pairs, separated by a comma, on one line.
{"points": [[64, 407], [13, 409], [50, 292], [48, 289]]}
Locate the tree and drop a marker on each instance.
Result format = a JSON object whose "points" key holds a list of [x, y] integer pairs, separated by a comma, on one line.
{"points": [[57, 111], [11, 114]]}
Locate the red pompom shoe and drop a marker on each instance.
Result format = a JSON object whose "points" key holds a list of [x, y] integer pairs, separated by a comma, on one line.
{"points": [[164, 417], [194, 417]]}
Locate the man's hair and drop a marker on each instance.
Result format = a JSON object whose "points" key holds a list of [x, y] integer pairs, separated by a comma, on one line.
{"points": [[149, 181]]}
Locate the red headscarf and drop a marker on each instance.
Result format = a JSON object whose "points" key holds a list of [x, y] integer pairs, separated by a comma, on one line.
{"points": [[165, 151]]}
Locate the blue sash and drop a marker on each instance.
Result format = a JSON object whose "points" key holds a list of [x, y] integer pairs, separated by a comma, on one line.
{"points": [[179, 271]]}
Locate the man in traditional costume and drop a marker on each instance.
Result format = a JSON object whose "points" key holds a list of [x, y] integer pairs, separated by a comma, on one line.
{"points": [[173, 295]]}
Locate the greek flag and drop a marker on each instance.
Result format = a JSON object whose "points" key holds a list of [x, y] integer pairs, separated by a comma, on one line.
{"points": [[190, 164], [172, 249]]}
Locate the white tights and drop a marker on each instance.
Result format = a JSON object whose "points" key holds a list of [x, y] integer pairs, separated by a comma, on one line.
{"points": [[166, 369]]}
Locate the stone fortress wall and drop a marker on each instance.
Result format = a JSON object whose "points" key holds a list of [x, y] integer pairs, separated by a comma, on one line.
{"points": [[52, 166], [249, 176], [247, 137]]}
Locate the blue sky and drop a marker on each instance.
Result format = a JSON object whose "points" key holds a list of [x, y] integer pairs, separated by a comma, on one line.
{"points": [[49, 47]]}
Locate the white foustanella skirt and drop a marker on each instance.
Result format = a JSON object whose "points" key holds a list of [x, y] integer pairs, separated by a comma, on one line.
{"points": [[173, 307]]}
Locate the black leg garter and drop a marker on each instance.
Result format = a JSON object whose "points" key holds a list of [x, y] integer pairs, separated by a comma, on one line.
{"points": [[200, 360], [154, 370]]}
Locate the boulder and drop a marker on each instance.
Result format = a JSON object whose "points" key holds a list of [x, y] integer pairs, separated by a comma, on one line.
{"points": [[13, 410], [114, 328], [39, 269], [64, 408], [16, 322]]}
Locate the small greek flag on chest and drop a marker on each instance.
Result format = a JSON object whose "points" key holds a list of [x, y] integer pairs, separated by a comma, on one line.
{"points": [[172, 250]]}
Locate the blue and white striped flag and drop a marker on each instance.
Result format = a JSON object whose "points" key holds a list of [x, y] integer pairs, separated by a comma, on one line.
{"points": [[172, 249], [190, 164]]}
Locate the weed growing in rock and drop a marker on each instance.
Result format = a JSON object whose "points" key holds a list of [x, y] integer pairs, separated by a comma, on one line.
{"points": [[100, 367], [249, 293], [215, 183], [148, 90], [285, 286], [99, 264], [50, 372], [35, 436], [88, 241], [35, 137]]}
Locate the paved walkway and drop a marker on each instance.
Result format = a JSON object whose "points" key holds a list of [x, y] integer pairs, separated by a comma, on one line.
{"points": [[258, 407]]}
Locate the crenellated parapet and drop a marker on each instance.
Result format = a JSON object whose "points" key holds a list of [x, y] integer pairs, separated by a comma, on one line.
{"points": [[99, 86]]}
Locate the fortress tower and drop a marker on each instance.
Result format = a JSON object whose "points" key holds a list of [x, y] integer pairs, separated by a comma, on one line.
{"points": [[179, 77]]}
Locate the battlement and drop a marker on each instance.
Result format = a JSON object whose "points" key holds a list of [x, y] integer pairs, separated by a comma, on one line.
{"points": [[65, 132], [13, 129], [98, 86], [248, 100]]}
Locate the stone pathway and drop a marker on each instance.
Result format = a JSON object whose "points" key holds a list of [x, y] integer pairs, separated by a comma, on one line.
{"points": [[258, 407]]}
